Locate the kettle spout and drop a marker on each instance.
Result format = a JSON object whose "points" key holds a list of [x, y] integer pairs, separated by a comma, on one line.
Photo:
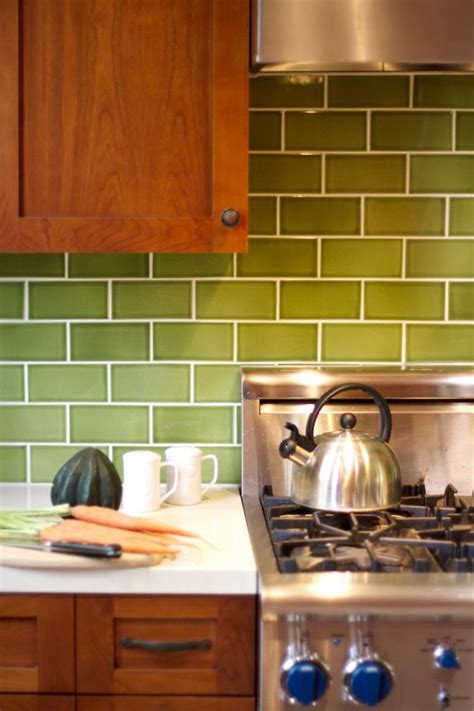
{"points": [[296, 447]]}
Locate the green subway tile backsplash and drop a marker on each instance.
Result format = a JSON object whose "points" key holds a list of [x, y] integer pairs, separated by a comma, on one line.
{"points": [[316, 300], [362, 258], [150, 383], [404, 216], [13, 464], [67, 383], [320, 216], [317, 130], [413, 300], [409, 131], [240, 300], [61, 300], [365, 174], [361, 251], [11, 300], [150, 300], [285, 174], [442, 174], [462, 217], [442, 343], [11, 382]]}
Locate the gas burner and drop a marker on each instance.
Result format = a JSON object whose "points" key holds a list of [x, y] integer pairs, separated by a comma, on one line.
{"points": [[417, 537]]}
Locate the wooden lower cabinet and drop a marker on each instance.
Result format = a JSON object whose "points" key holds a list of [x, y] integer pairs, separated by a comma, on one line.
{"points": [[37, 702], [164, 703]]}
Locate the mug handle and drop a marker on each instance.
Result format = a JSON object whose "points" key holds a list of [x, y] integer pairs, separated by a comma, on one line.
{"points": [[214, 476], [175, 485]]}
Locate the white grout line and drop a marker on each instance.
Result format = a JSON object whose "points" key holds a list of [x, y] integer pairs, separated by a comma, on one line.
{"points": [[323, 174], [109, 300], [411, 91], [362, 216], [453, 129], [151, 344], [68, 342], [68, 423], [404, 343], [150, 424], [319, 354], [278, 215], [235, 343], [66, 266], [447, 289], [26, 383], [404, 259], [447, 213], [150, 265], [108, 381], [277, 299], [407, 174], [192, 383], [282, 130], [26, 300], [319, 257], [368, 131], [28, 464], [193, 299], [362, 300]]}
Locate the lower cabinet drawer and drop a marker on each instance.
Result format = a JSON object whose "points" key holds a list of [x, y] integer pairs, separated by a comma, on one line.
{"points": [[36, 702], [167, 645], [164, 703]]}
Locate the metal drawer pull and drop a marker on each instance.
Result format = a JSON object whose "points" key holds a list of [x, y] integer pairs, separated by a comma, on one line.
{"points": [[165, 646]]}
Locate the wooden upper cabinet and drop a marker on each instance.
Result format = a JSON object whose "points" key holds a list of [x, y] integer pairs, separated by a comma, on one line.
{"points": [[123, 125]]}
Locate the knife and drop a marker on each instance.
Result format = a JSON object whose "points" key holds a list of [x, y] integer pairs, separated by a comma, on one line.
{"points": [[91, 550]]}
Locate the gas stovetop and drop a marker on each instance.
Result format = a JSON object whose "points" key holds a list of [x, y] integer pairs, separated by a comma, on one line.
{"points": [[426, 533]]}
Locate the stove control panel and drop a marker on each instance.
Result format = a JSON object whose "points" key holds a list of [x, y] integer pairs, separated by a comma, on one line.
{"points": [[304, 679]]}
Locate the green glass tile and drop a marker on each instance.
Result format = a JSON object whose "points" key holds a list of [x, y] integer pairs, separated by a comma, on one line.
{"points": [[108, 265], [361, 257], [11, 300], [235, 300], [262, 215], [449, 90], [25, 265], [309, 299], [265, 130], [67, 382], [228, 458], [11, 382], [192, 424], [192, 265], [461, 301], [289, 90], [278, 257], [360, 174], [68, 300], [277, 342], [443, 343], [465, 131], [117, 341], [404, 216], [442, 174], [164, 299], [115, 423], [32, 342], [150, 383], [320, 216], [193, 341], [361, 342], [12, 464], [420, 131], [404, 301], [285, 174], [217, 383], [347, 91], [462, 217], [440, 258], [46, 461], [29, 423], [334, 131]]}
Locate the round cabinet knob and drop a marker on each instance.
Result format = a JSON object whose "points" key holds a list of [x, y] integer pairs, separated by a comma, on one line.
{"points": [[369, 682], [446, 658], [230, 217], [306, 681]]}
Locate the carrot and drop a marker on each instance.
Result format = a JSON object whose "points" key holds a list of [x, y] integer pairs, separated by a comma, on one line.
{"points": [[80, 532], [110, 517]]}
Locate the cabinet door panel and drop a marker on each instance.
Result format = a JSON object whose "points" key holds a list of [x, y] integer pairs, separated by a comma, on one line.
{"points": [[165, 703], [36, 702], [124, 124], [36, 643], [138, 647]]}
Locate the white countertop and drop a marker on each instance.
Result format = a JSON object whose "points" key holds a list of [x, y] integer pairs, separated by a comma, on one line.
{"points": [[225, 567]]}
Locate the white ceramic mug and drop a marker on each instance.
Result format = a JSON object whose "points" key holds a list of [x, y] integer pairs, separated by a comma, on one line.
{"points": [[189, 489], [141, 482]]}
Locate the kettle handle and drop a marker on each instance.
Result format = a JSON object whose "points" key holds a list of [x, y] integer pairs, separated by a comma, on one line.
{"points": [[385, 415]]}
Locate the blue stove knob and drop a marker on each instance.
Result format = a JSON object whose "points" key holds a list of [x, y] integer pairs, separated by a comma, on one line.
{"points": [[306, 681], [369, 682], [446, 658]]}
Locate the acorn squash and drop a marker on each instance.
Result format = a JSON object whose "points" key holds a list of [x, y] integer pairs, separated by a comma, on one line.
{"points": [[89, 478]]}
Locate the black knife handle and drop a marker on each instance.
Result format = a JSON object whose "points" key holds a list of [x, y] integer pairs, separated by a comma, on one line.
{"points": [[88, 549]]}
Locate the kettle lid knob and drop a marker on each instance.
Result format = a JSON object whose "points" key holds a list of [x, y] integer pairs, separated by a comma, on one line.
{"points": [[348, 421]]}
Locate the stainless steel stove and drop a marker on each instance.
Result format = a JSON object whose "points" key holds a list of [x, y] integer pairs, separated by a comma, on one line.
{"points": [[372, 609]]}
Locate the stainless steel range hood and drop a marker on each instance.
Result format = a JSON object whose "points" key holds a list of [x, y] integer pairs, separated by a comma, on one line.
{"points": [[362, 35]]}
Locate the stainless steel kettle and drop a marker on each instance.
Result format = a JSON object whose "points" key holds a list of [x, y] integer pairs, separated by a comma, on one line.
{"points": [[346, 470]]}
